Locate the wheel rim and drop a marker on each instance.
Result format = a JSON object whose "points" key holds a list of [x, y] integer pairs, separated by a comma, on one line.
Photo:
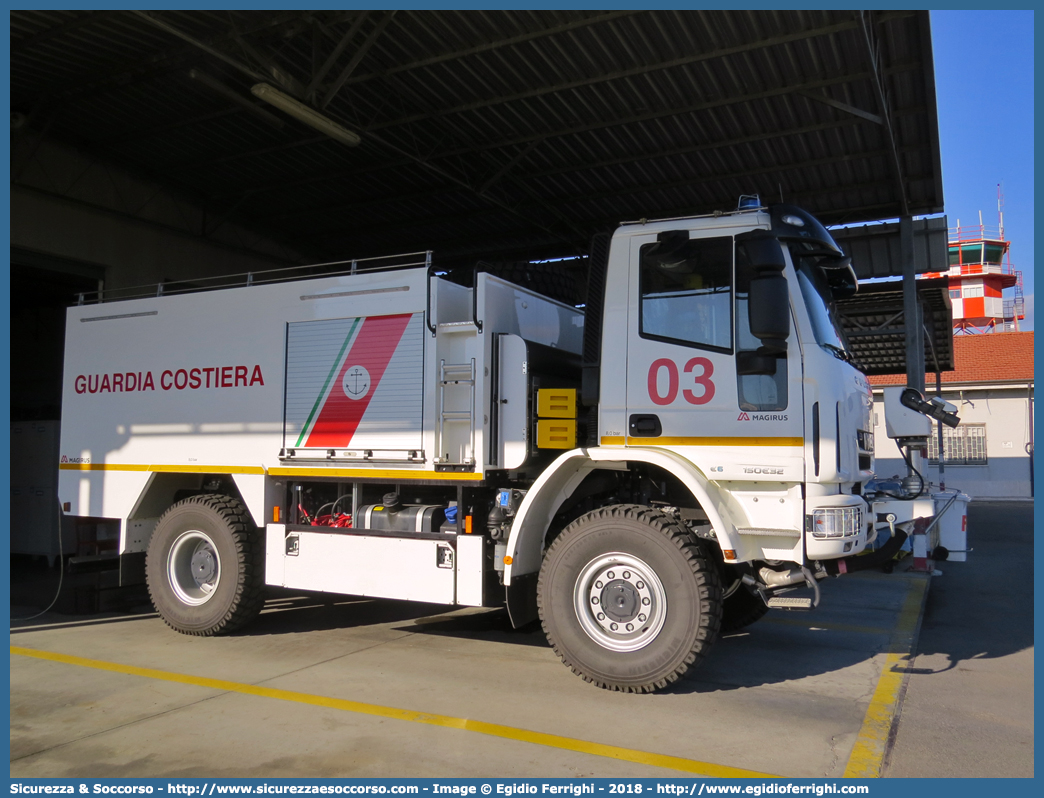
{"points": [[620, 602], [727, 592], [193, 567]]}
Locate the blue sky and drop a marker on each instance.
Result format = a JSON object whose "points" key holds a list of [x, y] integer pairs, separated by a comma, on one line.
{"points": [[984, 83]]}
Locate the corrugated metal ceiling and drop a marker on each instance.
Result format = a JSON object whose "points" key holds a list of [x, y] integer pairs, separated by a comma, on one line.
{"points": [[494, 133]]}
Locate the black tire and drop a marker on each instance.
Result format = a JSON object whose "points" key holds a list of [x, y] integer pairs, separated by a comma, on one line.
{"points": [[741, 608], [661, 567], [205, 566]]}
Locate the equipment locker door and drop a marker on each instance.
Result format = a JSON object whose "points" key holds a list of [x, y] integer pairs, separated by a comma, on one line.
{"points": [[355, 385]]}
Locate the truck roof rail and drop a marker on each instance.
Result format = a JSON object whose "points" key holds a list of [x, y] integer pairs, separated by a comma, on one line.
{"points": [[408, 260]]}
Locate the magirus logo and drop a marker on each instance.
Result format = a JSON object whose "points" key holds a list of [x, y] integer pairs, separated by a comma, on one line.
{"points": [[762, 417]]}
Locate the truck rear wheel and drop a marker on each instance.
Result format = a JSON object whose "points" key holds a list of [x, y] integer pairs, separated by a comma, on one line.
{"points": [[205, 566], [628, 599]]}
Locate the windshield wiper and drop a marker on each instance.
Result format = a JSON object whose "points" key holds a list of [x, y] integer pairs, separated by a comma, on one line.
{"points": [[838, 352]]}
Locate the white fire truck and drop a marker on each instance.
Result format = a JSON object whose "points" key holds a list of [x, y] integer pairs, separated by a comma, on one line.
{"points": [[640, 479]]}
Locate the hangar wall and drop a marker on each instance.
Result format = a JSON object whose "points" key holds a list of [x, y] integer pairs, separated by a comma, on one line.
{"points": [[79, 224], [66, 204]]}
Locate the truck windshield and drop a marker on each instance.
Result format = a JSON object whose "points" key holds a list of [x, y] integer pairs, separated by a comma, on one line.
{"points": [[821, 310]]}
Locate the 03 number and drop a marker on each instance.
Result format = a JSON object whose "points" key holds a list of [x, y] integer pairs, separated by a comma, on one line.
{"points": [[701, 370]]}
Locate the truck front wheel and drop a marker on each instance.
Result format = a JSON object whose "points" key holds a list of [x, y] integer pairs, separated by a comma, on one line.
{"points": [[628, 599], [204, 566]]}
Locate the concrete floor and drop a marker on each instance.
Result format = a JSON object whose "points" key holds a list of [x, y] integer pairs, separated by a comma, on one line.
{"points": [[969, 702], [786, 697]]}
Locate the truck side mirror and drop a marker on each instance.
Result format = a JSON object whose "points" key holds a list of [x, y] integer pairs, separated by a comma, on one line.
{"points": [[770, 311]]}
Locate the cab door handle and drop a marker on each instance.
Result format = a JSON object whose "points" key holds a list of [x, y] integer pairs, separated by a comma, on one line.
{"points": [[645, 425]]}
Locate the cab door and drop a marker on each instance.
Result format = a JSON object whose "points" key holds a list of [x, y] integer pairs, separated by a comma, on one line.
{"points": [[689, 330], [680, 344]]}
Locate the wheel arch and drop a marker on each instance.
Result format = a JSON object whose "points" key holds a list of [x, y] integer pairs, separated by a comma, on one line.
{"points": [[561, 479], [163, 490]]}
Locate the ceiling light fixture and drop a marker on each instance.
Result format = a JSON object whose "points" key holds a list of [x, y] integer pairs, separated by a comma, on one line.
{"points": [[235, 97], [303, 113]]}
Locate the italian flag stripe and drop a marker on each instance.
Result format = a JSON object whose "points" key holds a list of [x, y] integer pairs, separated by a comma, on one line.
{"points": [[371, 350], [326, 385]]}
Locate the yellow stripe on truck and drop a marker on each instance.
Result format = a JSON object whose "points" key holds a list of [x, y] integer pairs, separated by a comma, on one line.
{"points": [[662, 441], [162, 469]]}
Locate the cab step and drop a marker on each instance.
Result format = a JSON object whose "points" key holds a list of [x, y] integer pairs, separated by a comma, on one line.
{"points": [[789, 603]]}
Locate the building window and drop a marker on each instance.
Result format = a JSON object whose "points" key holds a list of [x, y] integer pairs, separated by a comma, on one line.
{"points": [[963, 445]]}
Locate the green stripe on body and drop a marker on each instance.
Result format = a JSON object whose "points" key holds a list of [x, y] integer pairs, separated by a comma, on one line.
{"points": [[330, 376]]}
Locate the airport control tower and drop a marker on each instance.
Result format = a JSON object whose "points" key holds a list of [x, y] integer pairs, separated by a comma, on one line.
{"points": [[980, 272]]}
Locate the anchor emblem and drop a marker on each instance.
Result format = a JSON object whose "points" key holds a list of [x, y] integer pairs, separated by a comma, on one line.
{"points": [[356, 382]]}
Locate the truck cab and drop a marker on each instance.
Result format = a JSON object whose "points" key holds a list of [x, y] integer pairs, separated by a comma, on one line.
{"points": [[720, 347]]}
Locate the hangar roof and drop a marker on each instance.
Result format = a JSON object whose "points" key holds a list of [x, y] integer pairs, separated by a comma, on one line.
{"points": [[874, 320], [497, 134]]}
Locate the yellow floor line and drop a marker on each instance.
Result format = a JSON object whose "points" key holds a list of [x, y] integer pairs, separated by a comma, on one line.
{"points": [[491, 729], [871, 745]]}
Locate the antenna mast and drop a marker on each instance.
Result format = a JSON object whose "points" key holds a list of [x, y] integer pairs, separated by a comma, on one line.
{"points": [[1000, 209]]}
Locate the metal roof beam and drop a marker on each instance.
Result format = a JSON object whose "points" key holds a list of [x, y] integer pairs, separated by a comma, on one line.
{"points": [[164, 129], [161, 63], [462, 183], [576, 166], [874, 55], [546, 205], [573, 199], [591, 126], [710, 180], [216, 53], [587, 223], [848, 109], [494, 45], [44, 36], [364, 48], [320, 74], [507, 167], [274, 71], [580, 166], [628, 73]]}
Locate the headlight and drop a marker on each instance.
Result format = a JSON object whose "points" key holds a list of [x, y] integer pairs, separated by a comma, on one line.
{"points": [[837, 522]]}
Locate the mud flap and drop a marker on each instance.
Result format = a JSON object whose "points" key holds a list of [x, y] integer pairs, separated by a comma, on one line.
{"points": [[521, 599]]}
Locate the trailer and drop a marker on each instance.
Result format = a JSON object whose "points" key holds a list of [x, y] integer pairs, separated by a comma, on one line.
{"points": [[685, 452]]}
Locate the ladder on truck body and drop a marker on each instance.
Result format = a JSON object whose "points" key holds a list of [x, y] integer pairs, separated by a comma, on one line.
{"points": [[456, 408]]}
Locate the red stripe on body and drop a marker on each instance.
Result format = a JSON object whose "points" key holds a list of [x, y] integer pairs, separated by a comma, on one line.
{"points": [[373, 349]]}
